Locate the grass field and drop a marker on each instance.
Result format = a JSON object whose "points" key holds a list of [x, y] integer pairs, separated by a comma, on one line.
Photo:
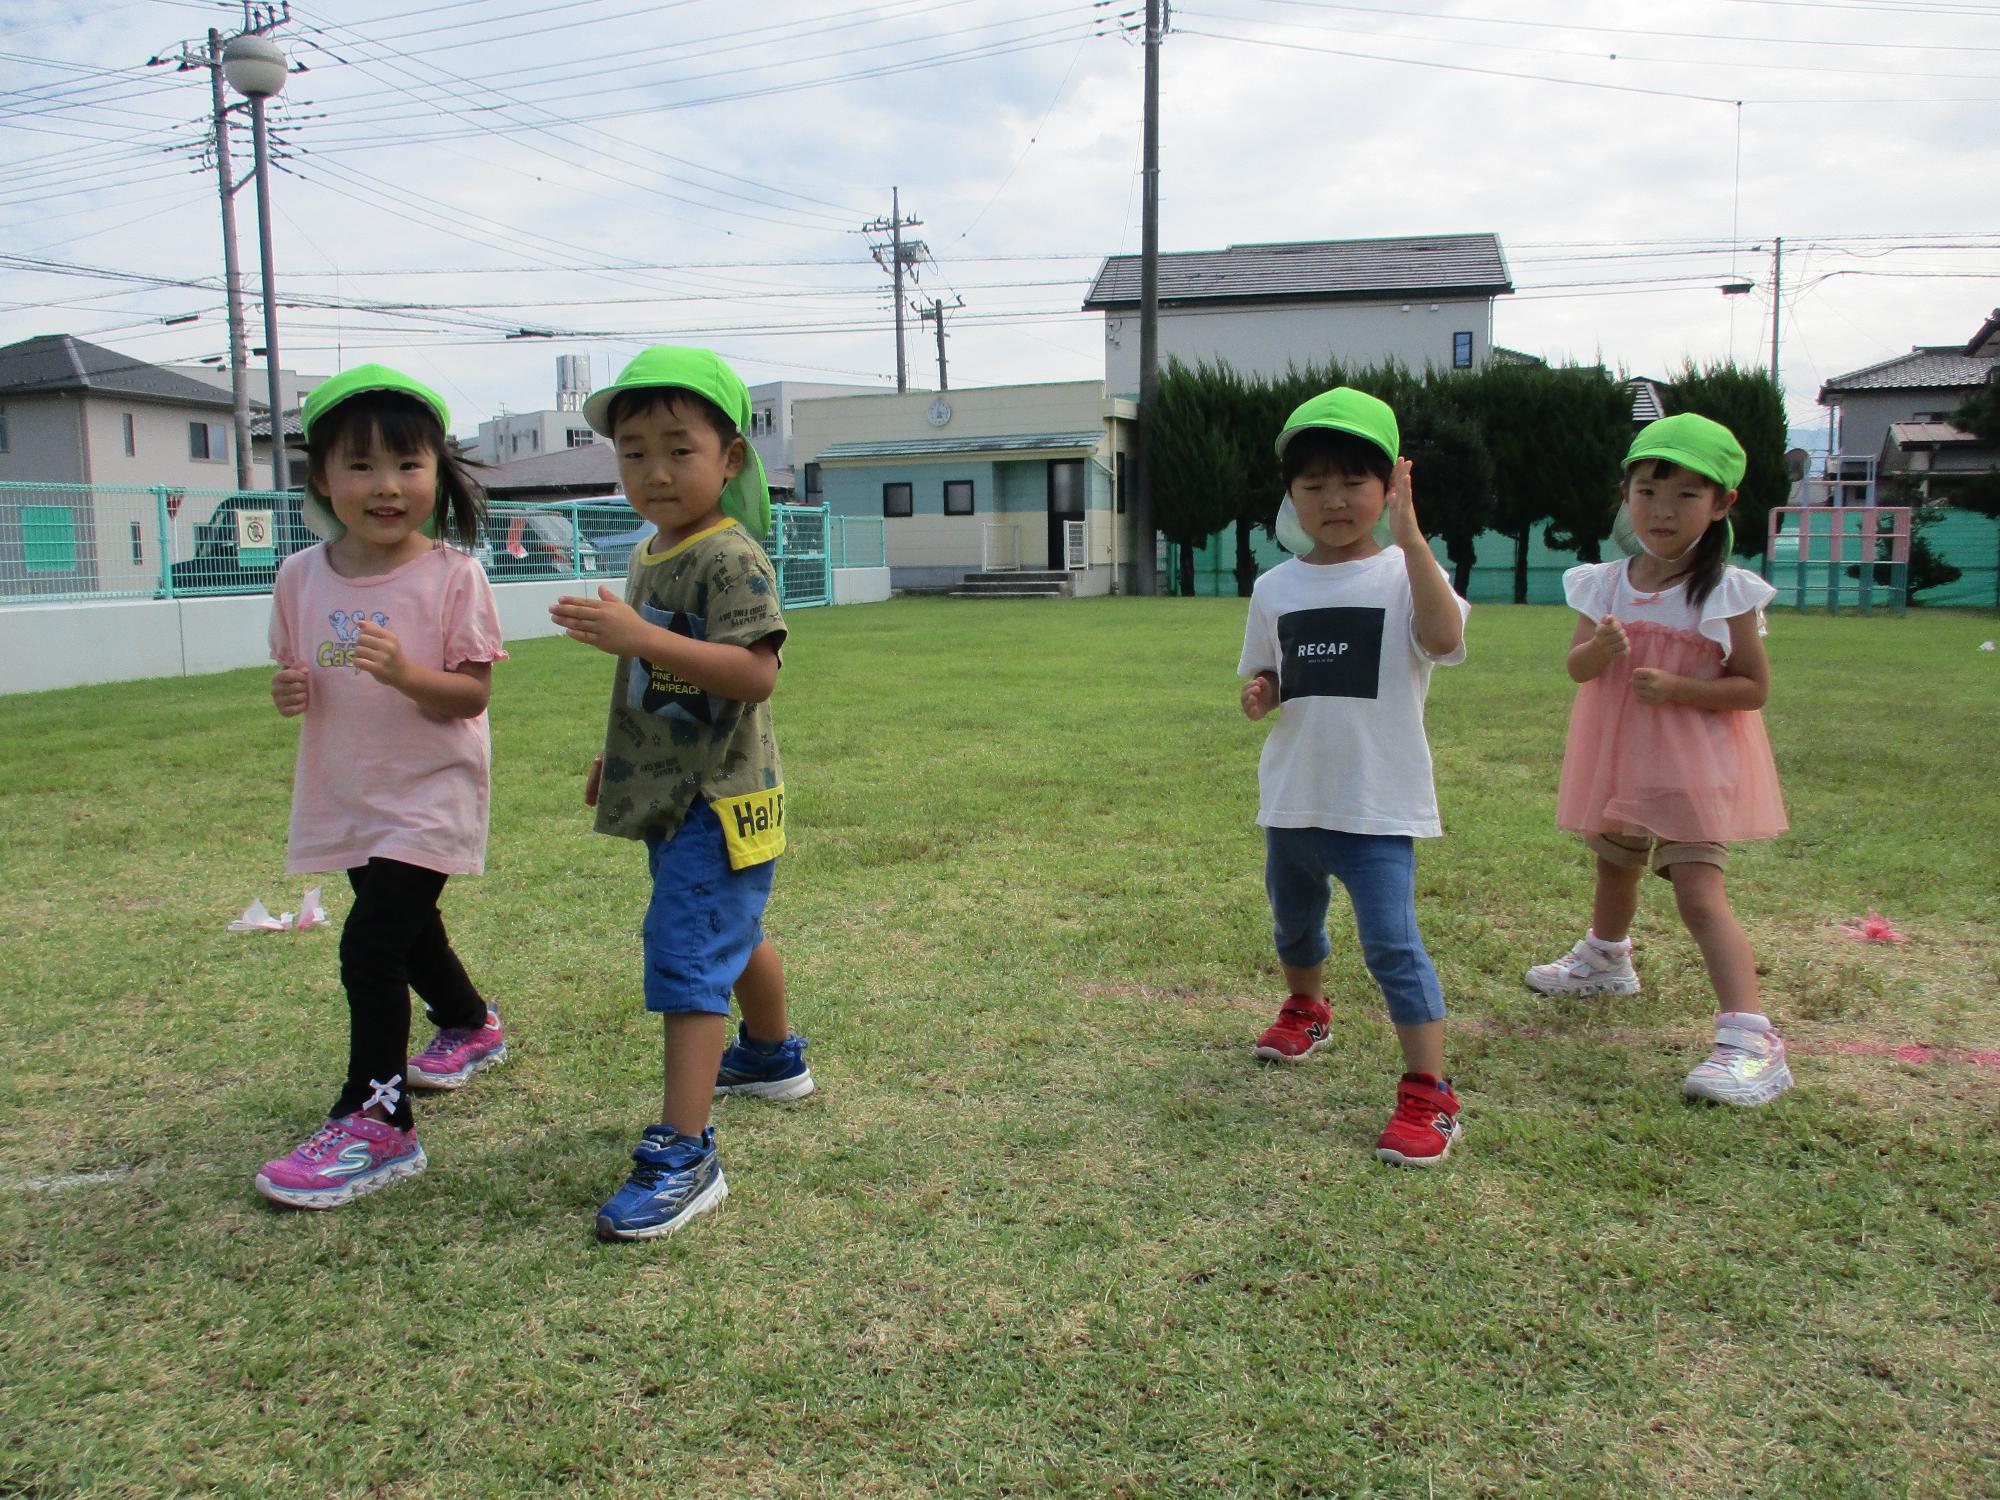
{"points": [[1047, 1228]]}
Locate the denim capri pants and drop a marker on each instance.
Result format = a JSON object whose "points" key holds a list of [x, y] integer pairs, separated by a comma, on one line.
{"points": [[1380, 873]]}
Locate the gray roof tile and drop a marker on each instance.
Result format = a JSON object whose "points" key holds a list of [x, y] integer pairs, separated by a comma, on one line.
{"points": [[1315, 270], [1928, 368], [1025, 442], [56, 362]]}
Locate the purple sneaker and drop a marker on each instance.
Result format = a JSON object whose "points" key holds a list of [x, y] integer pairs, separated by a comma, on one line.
{"points": [[342, 1160], [457, 1052]]}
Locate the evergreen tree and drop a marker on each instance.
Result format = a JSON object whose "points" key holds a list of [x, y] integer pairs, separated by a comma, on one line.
{"points": [[1196, 455]]}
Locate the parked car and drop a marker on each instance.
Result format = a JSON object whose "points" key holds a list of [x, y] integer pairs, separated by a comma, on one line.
{"points": [[217, 566], [536, 544]]}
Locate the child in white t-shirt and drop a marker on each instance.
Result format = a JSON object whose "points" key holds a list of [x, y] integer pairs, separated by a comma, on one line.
{"points": [[1343, 638]]}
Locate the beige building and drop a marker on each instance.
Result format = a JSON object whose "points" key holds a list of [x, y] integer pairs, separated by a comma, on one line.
{"points": [[1000, 483], [145, 438]]}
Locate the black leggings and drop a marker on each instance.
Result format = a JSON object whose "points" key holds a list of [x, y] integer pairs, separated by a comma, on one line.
{"points": [[394, 942]]}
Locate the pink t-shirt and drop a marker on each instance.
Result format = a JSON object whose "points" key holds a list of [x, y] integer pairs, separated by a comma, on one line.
{"points": [[376, 774]]}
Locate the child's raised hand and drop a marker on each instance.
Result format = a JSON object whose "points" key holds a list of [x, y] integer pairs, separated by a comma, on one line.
{"points": [[1609, 637], [1402, 509], [378, 653], [606, 622], [289, 690], [1260, 696], [593, 781]]}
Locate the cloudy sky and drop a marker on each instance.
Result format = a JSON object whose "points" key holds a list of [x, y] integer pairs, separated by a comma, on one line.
{"points": [[622, 172]]}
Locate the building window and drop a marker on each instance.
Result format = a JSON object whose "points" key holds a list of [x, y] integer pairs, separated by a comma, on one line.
{"points": [[208, 440], [1120, 486], [896, 499], [1461, 351], [581, 437], [3, 429], [131, 441], [812, 482], [958, 497], [138, 538]]}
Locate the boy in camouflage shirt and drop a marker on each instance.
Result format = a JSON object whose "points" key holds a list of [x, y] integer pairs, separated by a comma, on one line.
{"points": [[690, 763]]}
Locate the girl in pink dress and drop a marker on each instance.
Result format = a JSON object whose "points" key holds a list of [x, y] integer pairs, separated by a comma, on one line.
{"points": [[385, 639], [1667, 761]]}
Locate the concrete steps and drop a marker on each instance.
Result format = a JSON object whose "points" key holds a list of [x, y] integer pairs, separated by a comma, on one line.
{"points": [[1015, 585]]}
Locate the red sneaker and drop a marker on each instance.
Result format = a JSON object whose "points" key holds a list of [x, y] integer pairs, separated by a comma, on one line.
{"points": [[1421, 1131], [1304, 1025]]}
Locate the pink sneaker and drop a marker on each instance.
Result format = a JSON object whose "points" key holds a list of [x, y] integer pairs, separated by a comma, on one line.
{"points": [[456, 1053], [342, 1160]]}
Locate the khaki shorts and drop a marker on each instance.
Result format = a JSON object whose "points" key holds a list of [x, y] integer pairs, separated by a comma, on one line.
{"points": [[1637, 851]]}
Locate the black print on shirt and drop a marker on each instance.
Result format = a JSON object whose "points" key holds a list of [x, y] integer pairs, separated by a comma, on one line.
{"points": [[655, 690], [1330, 653]]}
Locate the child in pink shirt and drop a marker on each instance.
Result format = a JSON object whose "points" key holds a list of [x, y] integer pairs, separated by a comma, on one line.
{"points": [[386, 639]]}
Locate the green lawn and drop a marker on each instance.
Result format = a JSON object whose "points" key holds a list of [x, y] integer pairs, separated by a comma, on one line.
{"points": [[1046, 1228]]}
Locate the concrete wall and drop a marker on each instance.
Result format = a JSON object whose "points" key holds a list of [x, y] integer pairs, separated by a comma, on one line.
{"points": [[71, 645], [1270, 340]]}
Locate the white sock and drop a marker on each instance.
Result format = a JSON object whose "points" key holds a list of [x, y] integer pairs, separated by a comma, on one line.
{"points": [[1610, 950], [1743, 1020]]}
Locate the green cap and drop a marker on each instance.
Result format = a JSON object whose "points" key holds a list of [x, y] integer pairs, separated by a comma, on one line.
{"points": [[314, 509], [1347, 410], [746, 499], [1693, 442]]}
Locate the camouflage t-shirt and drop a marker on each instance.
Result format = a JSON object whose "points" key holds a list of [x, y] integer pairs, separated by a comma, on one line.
{"points": [[668, 740]]}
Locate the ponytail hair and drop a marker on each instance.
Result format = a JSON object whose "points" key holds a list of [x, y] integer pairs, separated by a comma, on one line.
{"points": [[402, 424]]}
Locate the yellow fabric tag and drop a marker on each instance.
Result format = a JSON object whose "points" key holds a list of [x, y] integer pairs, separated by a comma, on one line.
{"points": [[753, 826]]}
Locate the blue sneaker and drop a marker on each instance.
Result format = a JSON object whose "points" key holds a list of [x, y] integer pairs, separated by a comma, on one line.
{"points": [[777, 1072], [677, 1177]]}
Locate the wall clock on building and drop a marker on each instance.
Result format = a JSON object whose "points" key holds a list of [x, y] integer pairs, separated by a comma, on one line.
{"points": [[939, 411]]}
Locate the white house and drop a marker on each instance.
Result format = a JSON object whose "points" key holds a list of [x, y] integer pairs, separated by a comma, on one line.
{"points": [[1422, 300]]}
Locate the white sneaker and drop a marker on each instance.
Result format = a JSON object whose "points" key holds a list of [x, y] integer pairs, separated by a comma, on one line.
{"points": [[1746, 1067], [1587, 970]]}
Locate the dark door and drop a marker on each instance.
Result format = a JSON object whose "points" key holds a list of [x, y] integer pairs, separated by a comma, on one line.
{"points": [[1065, 502]]}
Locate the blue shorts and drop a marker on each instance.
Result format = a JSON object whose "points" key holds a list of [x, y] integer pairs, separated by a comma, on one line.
{"points": [[704, 919], [1380, 873]]}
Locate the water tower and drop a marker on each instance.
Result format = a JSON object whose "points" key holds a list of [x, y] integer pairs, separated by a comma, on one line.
{"points": [[572, 381]]}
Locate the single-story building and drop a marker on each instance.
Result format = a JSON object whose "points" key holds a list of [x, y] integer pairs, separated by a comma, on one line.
{"points": [[1001, 481]]}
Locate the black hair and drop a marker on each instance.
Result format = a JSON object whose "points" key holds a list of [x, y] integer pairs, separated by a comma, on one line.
{"points": [[403, 424], [645, 398], [1331, 448], [1711, 553]]}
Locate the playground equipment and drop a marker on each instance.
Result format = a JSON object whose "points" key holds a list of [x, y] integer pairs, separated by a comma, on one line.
{"points": [[1837, 555]]}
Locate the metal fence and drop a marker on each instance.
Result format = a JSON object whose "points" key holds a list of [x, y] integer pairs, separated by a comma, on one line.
{"points": [[65, 542], [1959, 539], [857, 542]]}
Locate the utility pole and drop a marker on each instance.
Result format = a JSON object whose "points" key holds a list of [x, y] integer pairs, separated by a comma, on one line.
{"points": [[935, 313], [1777, 263], [232, 269], [903, 252], [222, 61], [1145, 572]]}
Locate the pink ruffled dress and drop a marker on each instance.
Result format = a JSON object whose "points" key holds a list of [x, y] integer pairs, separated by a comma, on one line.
{"points": [[1678, 773]]}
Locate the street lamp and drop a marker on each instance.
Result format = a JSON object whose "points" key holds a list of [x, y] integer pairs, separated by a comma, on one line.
{"points": [[255, 67]]}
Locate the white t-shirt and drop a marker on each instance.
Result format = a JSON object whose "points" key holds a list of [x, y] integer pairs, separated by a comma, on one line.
{"points": [[1348, 749], [1595, 590]]}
